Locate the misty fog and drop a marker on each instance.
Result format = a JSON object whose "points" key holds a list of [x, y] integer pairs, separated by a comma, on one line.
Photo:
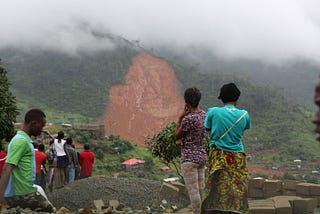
{"points": [[270, 30]]}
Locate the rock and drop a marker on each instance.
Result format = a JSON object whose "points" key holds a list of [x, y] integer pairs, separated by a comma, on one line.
{"points": [[114, 204], [169, 190], [63, 210], [107, 210], [98, 204]]}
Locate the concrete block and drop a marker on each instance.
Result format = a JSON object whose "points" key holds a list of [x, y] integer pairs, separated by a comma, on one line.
{"points": [[314, 189], [304, 205], [181, 186], [272, 188], [255, 192], [271, 193], [272, 184], [290, 184], [262, 210], [285, 198], [169, 190], [303, 189], [261, 203], [283, 210], [282, 206], [98, 204], [318, 199], [256, 182], [304, 196], [289, 192], [114, 204]]}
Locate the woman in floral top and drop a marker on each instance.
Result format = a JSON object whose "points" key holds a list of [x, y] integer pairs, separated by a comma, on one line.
{"points": [[190, 133]]}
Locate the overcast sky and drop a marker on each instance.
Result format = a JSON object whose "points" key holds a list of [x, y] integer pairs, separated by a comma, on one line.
{"points": [[272, 30]]}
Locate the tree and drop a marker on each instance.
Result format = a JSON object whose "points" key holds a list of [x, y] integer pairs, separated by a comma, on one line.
{"points": [[8, 107]]}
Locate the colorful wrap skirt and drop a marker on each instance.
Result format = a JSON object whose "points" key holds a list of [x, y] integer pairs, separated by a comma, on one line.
{"points": [[226, 184]]}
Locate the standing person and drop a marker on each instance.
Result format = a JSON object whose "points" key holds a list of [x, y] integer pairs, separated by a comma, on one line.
{"points": [[3, 157], [73, 165], [77, 176], [41, 170], [86, 160], [62, 161], [226, 187], [316, 116], [190, 133], [52, 157], [16, 182]]}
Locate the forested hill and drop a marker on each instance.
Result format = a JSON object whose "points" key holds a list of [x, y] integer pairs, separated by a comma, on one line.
{"points": [[294, 78], [72, 84], [278, 124], [73, 87]]}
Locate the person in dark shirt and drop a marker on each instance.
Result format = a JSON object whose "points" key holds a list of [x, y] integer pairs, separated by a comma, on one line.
{"points": [[73, 165]]}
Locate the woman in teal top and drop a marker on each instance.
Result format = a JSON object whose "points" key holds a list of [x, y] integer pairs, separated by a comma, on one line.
{"points": [[226, 187]]}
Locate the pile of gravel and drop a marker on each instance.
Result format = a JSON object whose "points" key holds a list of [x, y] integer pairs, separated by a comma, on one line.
{"points": [[135, 193]]}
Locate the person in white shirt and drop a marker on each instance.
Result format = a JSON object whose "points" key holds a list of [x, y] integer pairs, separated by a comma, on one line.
{"points": [[61, 178]]}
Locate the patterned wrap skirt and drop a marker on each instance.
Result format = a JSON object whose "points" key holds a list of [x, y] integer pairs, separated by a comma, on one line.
{"points": [[226, 184]]}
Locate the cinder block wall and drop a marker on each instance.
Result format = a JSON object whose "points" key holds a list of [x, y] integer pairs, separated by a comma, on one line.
{"points": [[282, 197]]}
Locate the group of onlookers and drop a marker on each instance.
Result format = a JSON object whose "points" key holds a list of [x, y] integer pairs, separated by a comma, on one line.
{"points": [[23, 170], [224, 192], [65, 163]]}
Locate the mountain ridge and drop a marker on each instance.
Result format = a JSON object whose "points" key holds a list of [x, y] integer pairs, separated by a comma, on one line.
{"points": [[74, 86]]}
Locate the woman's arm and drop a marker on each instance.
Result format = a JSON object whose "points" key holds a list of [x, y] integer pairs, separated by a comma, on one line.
{"points": [[179, 132]]}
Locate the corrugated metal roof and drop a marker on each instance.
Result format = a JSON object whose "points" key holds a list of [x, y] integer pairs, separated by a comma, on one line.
{"points": [[132, 161]]}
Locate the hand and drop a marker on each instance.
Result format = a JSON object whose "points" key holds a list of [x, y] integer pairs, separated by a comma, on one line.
{"points": [[179, 142], [185, 111], [47, 133]]}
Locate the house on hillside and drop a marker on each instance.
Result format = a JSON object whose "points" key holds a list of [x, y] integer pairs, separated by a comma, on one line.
{"points": [[96, 131], [165, 169], [133, 165]]}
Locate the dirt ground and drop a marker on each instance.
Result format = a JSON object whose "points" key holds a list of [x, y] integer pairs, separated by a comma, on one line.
{"points": [[260, 169]]}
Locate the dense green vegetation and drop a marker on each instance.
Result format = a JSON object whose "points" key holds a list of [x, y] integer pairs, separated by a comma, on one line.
{"points": [[294, 79], [110, 153], [74, 89], [277, 122], [8, 107], [70, 84], [163, 146]]}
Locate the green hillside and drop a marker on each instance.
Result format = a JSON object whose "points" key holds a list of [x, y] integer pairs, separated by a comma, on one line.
{"points": [[295, 79], [75, 89], [69, 84], [278, 123]]}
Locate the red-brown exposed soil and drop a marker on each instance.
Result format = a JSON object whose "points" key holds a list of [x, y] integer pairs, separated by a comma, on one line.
{"points": [[148, 101], [263, 170]]}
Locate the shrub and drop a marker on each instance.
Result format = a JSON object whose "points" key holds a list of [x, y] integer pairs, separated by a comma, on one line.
{"points": [[163, 145]]}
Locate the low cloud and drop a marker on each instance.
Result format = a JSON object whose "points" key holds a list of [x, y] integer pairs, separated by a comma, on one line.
{"points": [[272, 30]]}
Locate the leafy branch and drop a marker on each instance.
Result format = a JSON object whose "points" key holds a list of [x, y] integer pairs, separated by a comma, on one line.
{"points": [[163, 145]]}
